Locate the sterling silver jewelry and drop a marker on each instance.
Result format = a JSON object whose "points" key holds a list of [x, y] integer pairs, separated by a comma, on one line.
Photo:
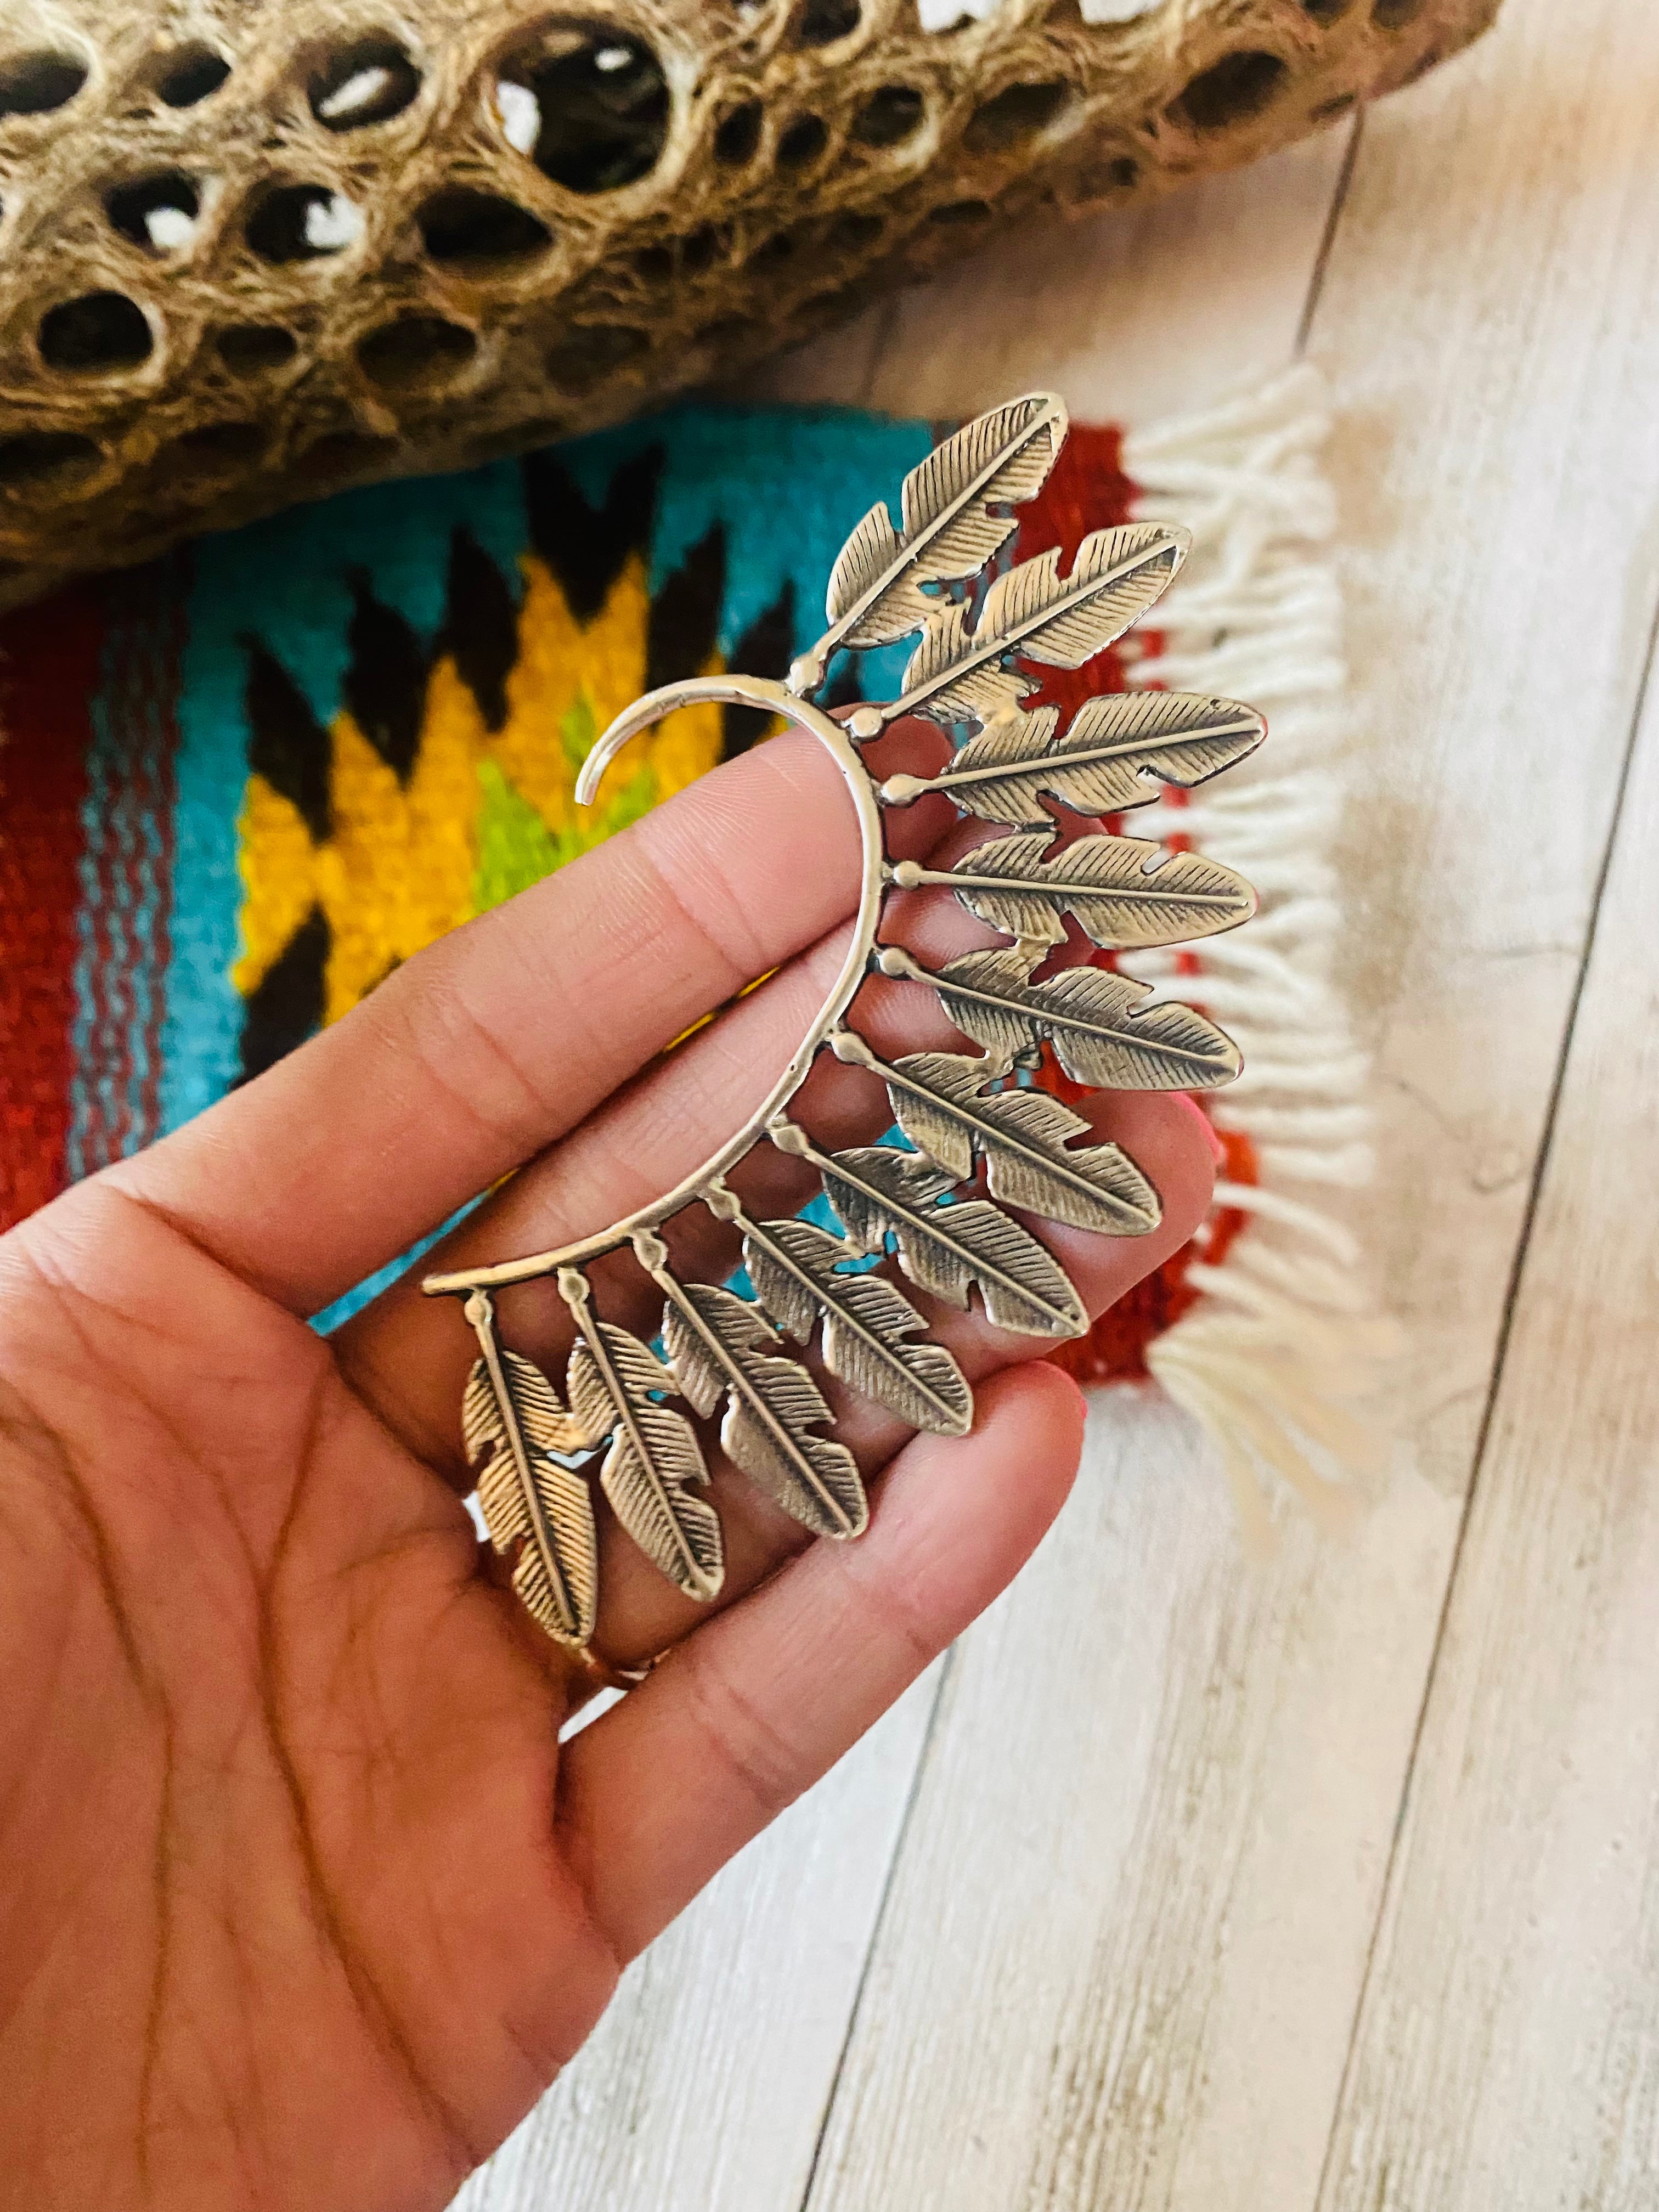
{"points": [[976, 1142]]}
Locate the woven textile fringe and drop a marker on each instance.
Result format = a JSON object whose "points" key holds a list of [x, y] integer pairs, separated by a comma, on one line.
{"points": [[1285, 1343]]}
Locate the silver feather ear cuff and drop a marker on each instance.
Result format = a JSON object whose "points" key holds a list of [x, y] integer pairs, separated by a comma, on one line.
{"points": [[969, 1125]]}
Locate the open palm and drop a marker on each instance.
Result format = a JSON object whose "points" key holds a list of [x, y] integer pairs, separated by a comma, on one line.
{"points": [[303, 1903]]}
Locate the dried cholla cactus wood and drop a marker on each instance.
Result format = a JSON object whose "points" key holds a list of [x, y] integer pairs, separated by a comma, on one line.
{"points": [[250, 252]]}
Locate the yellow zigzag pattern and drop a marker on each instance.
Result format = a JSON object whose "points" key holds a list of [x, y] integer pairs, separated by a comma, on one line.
{"points": [[480, 814]]}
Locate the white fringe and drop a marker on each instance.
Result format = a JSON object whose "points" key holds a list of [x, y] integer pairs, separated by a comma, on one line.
{"points": [[1285, 1344]]}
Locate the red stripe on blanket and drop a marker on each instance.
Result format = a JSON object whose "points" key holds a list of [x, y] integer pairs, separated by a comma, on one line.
{"points": [[48, 660]]}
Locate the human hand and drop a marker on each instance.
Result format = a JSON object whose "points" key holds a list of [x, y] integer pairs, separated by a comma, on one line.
{"points": [[304, 1904]]}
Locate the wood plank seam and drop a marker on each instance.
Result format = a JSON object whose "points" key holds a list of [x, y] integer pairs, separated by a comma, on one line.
{"points": [[1505, 1329], [1485, 315], [947, 1667], [1328, 242], [622, 2128]]}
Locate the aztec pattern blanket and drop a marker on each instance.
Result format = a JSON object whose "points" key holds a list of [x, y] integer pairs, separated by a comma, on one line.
{"points": [[238, 787]]}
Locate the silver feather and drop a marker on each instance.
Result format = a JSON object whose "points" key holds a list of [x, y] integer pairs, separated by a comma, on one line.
{"points": [[1032, 610], [949, 530], [980, 648], [795, 1268], [512, 1422], [1123, 891], [1113, 755], [941, 1104], [948, 679], [721, 1347], [654, 1464], [1063, 621], [879, 1191], [1088, 1015]]}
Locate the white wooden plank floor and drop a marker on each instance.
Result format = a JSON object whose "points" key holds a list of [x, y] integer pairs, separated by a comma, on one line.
{"points": [[1329, 1884]]}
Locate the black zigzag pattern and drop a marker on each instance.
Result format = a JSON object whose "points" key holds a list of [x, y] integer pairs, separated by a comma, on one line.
{"points": [[287, 1005], [765, 649], [385, 686], [390, 666], [481, 626], [683, 625], [287, 744], [586, 547]]}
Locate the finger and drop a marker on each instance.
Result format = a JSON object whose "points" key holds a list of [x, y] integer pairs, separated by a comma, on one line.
{"points": [[641, 1614], [409, 1358], [405, 1355], [656, 1795], [402, 1351], [492, 1043]]}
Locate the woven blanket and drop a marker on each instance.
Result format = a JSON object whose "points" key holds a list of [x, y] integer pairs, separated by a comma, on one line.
{"points": [[237, 788]]}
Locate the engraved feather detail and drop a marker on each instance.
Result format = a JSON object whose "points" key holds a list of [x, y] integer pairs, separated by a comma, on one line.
{"points": [[721, 1347], [1123, 892], [512, 1421], [654, 1468], [948, 1250], [941, 1104], [977, 1151], [950, 526], [957, 674], [1113, 755], [1063, 621], [948, 679], [1089, 1015], [868, 1325]]}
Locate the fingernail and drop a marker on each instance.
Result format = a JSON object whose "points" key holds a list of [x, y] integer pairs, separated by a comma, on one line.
{"points": [[1080, 1394], [1218, 1151]]}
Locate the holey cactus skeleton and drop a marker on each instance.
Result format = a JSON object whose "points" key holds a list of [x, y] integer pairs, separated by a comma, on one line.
{"points": [[250, 251]]}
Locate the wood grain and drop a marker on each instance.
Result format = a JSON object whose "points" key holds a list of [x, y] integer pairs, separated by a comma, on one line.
{"points": [[1154, 1819], [1152, 2008], [1132, 316], [1508, 2052], [707, 2084], [1490, 311], [706, 2081], [1129, 1920]]}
